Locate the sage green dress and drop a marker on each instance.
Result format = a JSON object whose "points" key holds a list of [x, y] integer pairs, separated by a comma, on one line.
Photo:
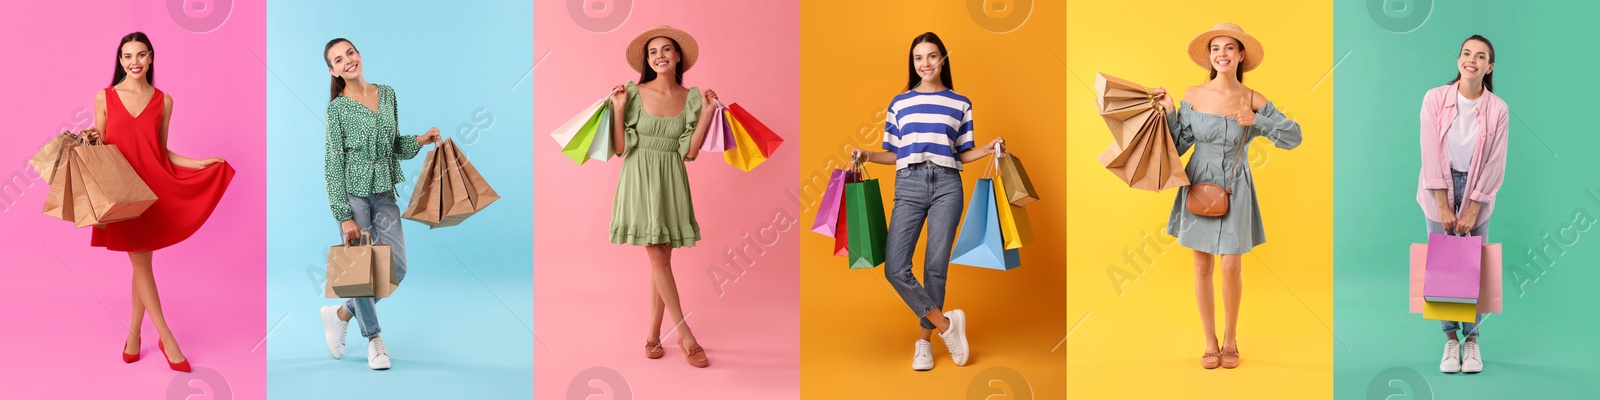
{"points": [[653, 205]]}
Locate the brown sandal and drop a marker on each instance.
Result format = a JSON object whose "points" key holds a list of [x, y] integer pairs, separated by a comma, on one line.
{"points": [[696, 355], [653, 350], [1210, 360], [1230, 357]]}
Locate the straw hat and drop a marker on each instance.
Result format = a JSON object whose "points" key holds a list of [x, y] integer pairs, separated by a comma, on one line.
{"points": [[687, 47], [1200, 47]]}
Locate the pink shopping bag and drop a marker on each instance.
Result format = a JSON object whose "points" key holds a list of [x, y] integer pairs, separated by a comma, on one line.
{"points": [[1491, 294], [1453, 267]]}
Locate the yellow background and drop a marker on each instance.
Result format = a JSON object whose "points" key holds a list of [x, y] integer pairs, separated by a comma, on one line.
{"points": [[1145, 342], [857, 336]]}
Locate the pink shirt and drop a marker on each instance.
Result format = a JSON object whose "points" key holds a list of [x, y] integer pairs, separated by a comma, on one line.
{"points": [[1488, 167]]}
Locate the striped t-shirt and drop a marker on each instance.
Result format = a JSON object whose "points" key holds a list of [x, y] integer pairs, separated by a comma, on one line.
{"points": [[928, 127]]}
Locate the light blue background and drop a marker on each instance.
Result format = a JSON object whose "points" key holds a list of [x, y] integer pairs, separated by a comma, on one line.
{"points": [[460, 324]]}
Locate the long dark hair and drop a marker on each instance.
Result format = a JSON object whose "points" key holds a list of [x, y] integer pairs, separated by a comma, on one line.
{"points": [[149, 72], [1238, 68], [337, 87], [1488, 79], [911, 63], [646, 74]]}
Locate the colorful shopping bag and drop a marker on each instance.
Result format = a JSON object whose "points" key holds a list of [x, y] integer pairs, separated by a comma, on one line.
{"points": [[1454, 265], [827, 221], [719, 137], [980, 244], [1491, 294], [745, 155], [600, 146], [764, 138], [576, 136], [868, 229], [1015, 231], [1443, 311]]}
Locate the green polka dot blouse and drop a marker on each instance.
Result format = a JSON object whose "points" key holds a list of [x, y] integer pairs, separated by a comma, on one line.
{"points": [[364, 150]]}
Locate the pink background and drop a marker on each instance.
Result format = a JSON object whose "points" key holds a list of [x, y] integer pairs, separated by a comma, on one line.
{"points": [[66, 304], [591, 298]]}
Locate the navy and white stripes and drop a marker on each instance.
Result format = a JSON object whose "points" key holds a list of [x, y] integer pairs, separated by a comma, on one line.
{"points": [[928, 127]]}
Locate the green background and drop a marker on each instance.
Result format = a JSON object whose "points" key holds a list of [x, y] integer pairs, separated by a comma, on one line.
{"points": [[1544, 346]]}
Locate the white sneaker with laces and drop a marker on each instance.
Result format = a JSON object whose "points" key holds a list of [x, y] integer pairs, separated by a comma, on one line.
{"points": [[955, 337], [1452, 358], [1472, 362], [334, 330], [377, 356], [922, 360]]}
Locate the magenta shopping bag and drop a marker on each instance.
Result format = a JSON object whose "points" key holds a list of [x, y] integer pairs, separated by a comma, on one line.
{"points": [[1453, 267], [827, 222]]}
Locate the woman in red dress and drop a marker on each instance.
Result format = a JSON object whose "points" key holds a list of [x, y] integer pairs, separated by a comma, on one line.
{"points": [[134, 116]]}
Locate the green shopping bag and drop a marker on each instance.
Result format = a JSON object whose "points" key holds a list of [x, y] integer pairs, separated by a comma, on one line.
{"points": [[866, 227], [600, 147]]}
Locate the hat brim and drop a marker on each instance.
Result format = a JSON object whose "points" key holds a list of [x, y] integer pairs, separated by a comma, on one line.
{"points": [[688, 48], [1200, 48]]}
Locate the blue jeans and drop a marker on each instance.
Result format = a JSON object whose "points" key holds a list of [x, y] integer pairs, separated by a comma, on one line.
{"points": [[378, 215], [1469, 329], [923, 192]]}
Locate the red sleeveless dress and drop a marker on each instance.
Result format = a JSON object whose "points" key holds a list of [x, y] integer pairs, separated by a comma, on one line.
{"points": [[184, 197]]}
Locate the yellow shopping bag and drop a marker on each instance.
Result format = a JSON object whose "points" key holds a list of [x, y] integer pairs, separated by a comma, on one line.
{"points": [[1015, 231], [745, 155], [1450, 311]]}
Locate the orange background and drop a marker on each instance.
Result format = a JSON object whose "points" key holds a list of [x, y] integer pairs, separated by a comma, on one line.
{"points": [[857, 336]]}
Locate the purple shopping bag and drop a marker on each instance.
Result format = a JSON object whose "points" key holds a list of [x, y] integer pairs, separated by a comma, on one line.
{"points": [[1453, 267], [827, 222]]}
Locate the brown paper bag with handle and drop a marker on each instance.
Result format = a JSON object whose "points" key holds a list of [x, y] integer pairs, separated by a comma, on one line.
{"points": [[361, 269], [478, 190], [59, 202], [1143, 154], [105, 188], [450, 189], [424, 206], [49, 155], [1019, 189]]}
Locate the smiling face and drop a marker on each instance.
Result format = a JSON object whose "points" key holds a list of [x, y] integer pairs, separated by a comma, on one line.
{"points": [[1226, 55], [1475, 60], [344, 61], [928, 61], [135, 58], [661, 56]]}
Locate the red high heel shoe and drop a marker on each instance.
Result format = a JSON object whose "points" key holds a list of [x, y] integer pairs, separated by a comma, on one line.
{"points": [[181, 366], [128, 358]]}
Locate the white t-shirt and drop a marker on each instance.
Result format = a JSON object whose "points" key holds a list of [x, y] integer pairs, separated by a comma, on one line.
{"points": [[1462, 139]]}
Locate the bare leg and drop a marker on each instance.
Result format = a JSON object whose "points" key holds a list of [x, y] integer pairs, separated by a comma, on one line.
{"points": [[940, 322], [132, 345], [145, 285], [658, 307], [667, 287], [1206, 300], [1451, 335], [1232, 291]]}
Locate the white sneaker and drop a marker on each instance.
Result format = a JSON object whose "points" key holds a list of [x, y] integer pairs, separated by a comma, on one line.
{"points": [[955, 338], [1472, 363], [334, 330], [377, 356], [923, 359], [1452, 358]]}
